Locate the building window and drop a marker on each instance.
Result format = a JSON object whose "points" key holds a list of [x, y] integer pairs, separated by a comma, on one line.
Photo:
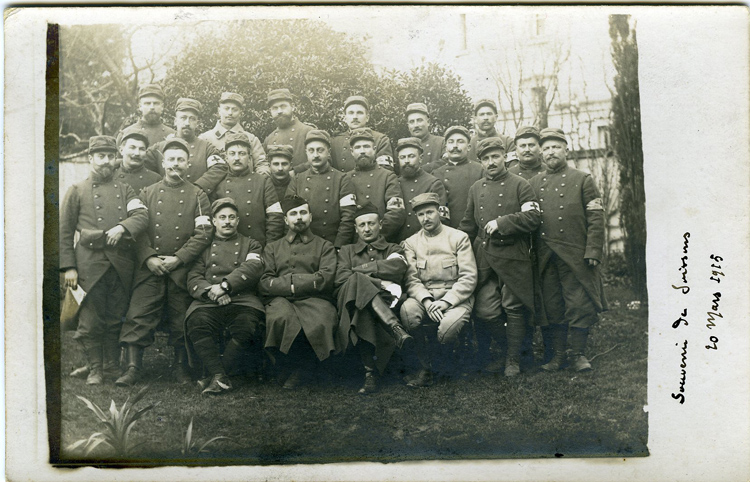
{"points": [[602, 137]]}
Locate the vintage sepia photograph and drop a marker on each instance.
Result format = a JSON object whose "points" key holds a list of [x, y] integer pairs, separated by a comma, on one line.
{"points": [[350, 234]]}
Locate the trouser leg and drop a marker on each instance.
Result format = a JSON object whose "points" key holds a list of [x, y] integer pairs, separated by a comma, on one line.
{"points": [[205, 326], [144, 312], [385, 315], [247, 329]]}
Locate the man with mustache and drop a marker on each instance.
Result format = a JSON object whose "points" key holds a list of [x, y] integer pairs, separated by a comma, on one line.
{"points": [[433, 147], [259, 211], [108, 216], [301, 321], [280, 164], [329, 192], [205, 166], [485, 118], [440, 279], [179, 229], [356, 116], [458, 174], [375, 184], [133, 145], [569, 244], [369, 277], [151, 106], [223, 282], [529, 153], [289, 129], [230, 115], [415, 181], [501, 213]]}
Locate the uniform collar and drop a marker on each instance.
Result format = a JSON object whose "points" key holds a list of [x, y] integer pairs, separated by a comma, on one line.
{"points": [[490, 133], [417, 175], [305, 237], [322, 171], [459, 163], [278, 183], [142, 123], [165, 180], [244, 173], [220, 130], [499, 177], [434, 233], [96, 177], [293, 125], [380, 244], [230, 238], [372, 166], [559, 169], [131, 171], [532, 165]]}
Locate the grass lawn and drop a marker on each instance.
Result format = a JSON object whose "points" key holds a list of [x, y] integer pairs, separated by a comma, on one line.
{"points": [[563, 414]]}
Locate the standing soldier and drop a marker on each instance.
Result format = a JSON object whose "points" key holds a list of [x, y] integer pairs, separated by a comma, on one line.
{"points": [[414, 181], [230, 115], [259, 212], [375, 184], [485, 118], [356, 115], [329, 192], [458, 174], [205, 167], [133, 145], [280, 164], [299, 272], [529, 153], [289, 130], [151, 105], [440, 280], [418, 121], [502, 212], [108, 216], [569, 251], [179, 229], [223, 282]]}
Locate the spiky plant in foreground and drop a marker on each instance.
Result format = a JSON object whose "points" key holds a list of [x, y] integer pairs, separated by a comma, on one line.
{"points": [[190, 446], [118, 423]]}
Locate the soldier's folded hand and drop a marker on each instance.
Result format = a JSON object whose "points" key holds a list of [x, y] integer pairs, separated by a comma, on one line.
{"points": [[171, 263], [491, 227], [224, 300], [71, 278], [114, 235], [215, 293], [156, 266]]}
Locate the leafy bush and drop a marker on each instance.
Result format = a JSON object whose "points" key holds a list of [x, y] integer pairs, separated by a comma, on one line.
{"points": [[190, 445]]}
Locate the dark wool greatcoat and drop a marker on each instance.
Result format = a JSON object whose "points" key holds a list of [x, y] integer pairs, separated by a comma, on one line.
{"points": [[155, 132], [280, 187], [572, 225], [309, 263], [457, 179], [511, 201], [294, 136], [341, 151], [380, 186], [259, 209], [361, 268], [528, 172], [98, 205], [330, 195], [218, 137], [434, 148], [137, 178], [410, 188], [206, 168], [509, 143]]}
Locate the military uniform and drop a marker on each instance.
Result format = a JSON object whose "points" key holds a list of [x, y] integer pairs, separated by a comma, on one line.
{"points": [[341, 151], [258, 205], [294, 136], [330, 195], [527, 172], [137, 178], [457, 178], [155, 132], [281, 187], [218, 135], [509, 144], [380, 187], [422, 183], [434, 148]]}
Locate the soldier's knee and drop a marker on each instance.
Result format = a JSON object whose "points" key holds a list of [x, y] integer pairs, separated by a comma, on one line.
{"points": [[412, 314]]}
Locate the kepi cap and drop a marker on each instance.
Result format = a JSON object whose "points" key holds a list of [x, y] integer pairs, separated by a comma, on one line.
{"points": [[417, 107], [291, 202], [527, 131], [237, 138], [361, 133], [356, 99], [457, 129], [366, 208], [318, 135], [151, 89], [102, 143], [489, 144], [485, 102], [134, 131], [221, 203], [409, 142], [178, 142], [232, 97], [278, 94], [184, 103], [280, 150], [424, 199], [552, 133]]}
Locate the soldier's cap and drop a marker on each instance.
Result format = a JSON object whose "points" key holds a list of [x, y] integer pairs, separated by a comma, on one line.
{"points": [[183, 103], [151, 89], [222, 203], [366, 208], [236, 138], [417, 107], [409, 142], [552, 133], [102, 143], [178, 143], [318, 135], [457, 129], [485, 102], [134, 131], [280, 150], [424, 199], [356, 99], [291, 202], [527, 131], [489, 144], [361, 133], [232, 97], [278, 94]]}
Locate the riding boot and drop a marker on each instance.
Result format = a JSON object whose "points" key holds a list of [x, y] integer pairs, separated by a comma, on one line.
{"points": [[182, 369], [232, 358], [548, 337], [578, 338], [559, 345], [112, 353], [515, 332], [386, 316], [424, 349], [497, 331], [93, 350], [135, 362]]}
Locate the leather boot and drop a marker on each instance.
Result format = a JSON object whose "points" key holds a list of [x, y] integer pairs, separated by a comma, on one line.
{"points": [[388, 318], [423, 349], [515, 332], [112, 354], [548, 337], [559, 345], [181, 368], [498, 332], [233, 354], [80, 372], [93, 352], [135, 362], [370, 385], [578, 337]]}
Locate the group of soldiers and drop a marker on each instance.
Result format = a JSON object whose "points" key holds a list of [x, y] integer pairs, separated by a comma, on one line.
{"points": [[287, 251]]}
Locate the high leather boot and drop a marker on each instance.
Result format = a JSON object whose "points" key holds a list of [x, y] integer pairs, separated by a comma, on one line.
{"points": [[498, 332], [388, 318], [515, 332], [93, 350], [112, 353], [548, 337], [578, 337], [232, 358], [135, 362], [181, 368], [559, 345], [423, 349]]}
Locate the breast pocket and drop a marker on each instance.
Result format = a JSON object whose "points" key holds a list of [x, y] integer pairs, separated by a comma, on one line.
{"points": [[421, 266], [450, 268]]}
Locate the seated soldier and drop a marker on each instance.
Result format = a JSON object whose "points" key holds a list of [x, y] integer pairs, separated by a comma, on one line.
{"points": [[368, 283], [440, 281], [301, 321], [223, 281]]}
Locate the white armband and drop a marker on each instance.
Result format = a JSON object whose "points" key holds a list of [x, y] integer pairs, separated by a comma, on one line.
{"points": [[134, 204], [511, 156], [213, 160], [252, 256], [397, 256], [444, 212], [395, 203], [530, 206], [595, 205], [202, 221], [274, 208], [348, 200]]}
